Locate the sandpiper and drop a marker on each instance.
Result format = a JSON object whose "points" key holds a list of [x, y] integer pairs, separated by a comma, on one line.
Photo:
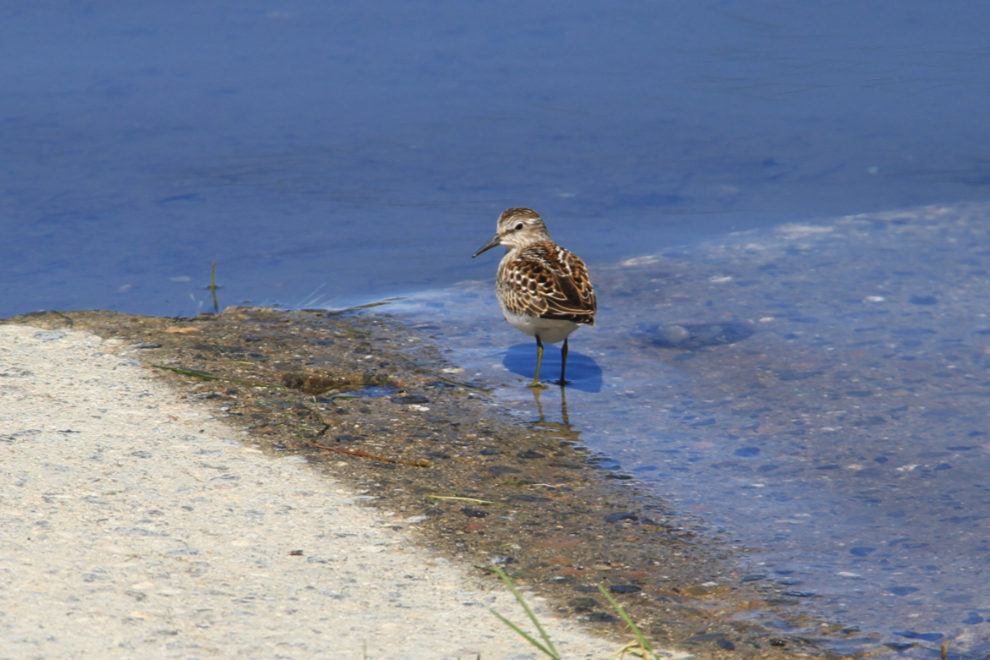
{"points": [[543, 289]]}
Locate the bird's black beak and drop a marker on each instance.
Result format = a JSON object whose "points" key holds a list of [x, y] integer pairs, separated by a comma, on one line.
{"points": [[488, 246]]}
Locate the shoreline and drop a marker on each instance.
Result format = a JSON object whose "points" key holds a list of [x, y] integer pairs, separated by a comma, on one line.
{"points": [[135, 525], [466, 481]]}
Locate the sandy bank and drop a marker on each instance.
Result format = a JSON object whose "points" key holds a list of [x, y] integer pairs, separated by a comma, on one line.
{"points": [[135, 526]]}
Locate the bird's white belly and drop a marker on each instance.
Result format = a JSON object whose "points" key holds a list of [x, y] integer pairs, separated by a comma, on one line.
{"points": [[549, 331]]}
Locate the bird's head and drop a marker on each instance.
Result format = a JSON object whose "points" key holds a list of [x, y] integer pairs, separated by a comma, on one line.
{"points": [[517, 228]]}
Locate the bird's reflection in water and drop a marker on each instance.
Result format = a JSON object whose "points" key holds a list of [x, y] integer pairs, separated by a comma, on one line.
{"points": [[561, 429]]}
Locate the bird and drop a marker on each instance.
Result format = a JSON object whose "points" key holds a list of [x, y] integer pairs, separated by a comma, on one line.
{"points": [[544, 290]]}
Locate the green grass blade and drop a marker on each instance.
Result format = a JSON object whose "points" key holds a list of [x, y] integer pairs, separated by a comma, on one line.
{"points": [[529, 612], [199, 374], [625, 617], [459, 383], [529, 638], [213, 288], [475, 500]]}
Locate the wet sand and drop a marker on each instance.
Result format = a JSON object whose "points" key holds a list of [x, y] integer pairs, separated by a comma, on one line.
{"points": [[443, 465]]}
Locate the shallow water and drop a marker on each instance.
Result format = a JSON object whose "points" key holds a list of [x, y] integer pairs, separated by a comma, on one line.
{"points": [[819, 391], [335, 153]]}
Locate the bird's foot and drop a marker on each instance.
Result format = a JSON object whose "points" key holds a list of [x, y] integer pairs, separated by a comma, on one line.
{"points": [[562, 382], [537, 385]]}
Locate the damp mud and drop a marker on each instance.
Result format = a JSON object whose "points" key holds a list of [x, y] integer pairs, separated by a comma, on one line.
{"points": [[374, 402]]}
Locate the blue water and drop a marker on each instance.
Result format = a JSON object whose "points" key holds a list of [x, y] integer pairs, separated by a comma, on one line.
{"points": [[332, 153], [329, 154], [818, 391]]}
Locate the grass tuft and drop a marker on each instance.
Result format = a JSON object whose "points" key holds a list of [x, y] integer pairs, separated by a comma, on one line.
{"points": [[549, 650], [639, 647], [213, 288]]}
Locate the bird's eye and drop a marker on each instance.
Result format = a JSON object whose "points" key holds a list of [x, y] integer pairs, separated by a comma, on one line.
{"points": [[519, 226]]}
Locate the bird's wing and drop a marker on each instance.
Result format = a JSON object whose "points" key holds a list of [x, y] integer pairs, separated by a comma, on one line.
{"points": [[546, 280]]}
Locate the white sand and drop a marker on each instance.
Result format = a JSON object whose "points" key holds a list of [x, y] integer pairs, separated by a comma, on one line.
{"points": [[134, 526]]}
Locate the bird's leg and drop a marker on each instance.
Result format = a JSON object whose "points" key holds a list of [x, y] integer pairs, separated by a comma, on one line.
{"points": [[539, 360], [563, 365]]}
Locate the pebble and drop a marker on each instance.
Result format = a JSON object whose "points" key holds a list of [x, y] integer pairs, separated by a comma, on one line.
{"points": [[624, 588], [753, 578], [500, 470], [616, 517], [673, 334], [410, 399], [903, 591]]}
